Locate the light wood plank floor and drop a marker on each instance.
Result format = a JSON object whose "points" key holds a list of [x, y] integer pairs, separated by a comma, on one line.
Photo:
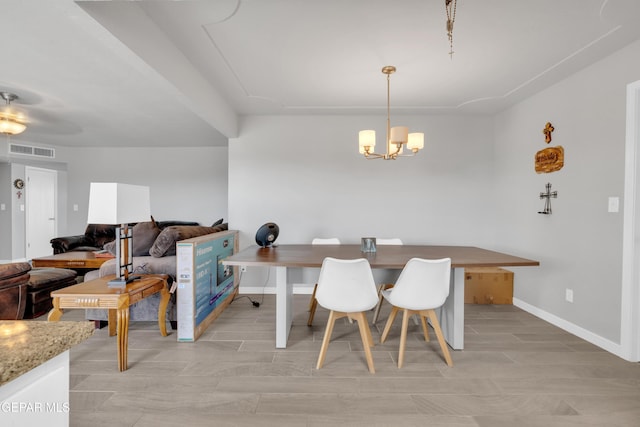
{"points": [[516, 370]]}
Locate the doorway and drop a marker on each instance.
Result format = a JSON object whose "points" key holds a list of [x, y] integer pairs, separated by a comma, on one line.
{"points": [[41, 211]]}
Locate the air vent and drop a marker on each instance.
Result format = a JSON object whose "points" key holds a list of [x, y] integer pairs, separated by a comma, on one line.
{"points": [[28, 150]]}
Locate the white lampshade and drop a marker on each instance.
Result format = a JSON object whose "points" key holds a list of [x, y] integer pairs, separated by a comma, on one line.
{"points": [[113, 203], [416, 141], [367, 138], [399, 134]]}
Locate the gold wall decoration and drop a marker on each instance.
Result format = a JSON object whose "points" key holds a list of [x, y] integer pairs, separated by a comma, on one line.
{"points": [[548, 128], [551, 159]]}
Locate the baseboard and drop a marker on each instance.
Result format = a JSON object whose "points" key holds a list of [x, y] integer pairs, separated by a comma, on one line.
{"points": [[9, 261], [268, 290], [576, 330]]}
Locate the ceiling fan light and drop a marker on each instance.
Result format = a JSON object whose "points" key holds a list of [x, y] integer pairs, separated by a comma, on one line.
{"points": [[8, 124], [11, 127]]}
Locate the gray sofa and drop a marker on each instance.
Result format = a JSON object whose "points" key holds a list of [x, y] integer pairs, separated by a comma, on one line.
{"points": [[161, 260]]}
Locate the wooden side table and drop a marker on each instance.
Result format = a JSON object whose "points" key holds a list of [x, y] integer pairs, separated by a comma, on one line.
{"points": [[97, 294]]}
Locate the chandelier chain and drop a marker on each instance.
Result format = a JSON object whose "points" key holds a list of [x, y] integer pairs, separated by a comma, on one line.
{"points": [[451, 19]]}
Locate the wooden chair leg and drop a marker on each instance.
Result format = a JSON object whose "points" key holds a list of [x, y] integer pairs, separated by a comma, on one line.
{"points": [[313, 304], [403, 336], [376, 311], [387, 326], [327, 337], [312, 311], [425, 329], [367, 340], [381, 288], [443, 344], [313, 296]]}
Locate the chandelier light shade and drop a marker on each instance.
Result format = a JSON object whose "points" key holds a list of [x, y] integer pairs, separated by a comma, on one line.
{"points": [[10, 123], [397, 137], [367, 140], [416, 141]]}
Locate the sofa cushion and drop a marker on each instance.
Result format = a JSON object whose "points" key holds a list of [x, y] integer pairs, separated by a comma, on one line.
{"points": [[141, 265], [165, 243], [144, 234], [47, 277], [165, 224]]}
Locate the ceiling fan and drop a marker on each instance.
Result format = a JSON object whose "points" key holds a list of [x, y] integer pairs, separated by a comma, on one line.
{"points": [[29, 109]]}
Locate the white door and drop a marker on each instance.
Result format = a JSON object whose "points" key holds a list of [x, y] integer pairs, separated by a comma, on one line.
{"points": [[40, 200]]}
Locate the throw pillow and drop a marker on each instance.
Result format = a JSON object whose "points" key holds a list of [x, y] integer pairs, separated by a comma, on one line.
{"points": [[165, 244], [218, 222], [110, 247], [144, 234]]}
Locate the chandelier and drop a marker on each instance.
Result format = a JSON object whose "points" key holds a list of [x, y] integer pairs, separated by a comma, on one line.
{"points": [[397, 136], [10, 123]]}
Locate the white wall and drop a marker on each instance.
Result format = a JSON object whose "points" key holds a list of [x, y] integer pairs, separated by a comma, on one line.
{"points": [[305, 174], [580, 244], [7, 194], [186, 183], [13, 218]]}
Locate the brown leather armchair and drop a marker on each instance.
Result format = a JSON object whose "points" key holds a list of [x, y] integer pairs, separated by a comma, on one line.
{"points": [[14, 278]]}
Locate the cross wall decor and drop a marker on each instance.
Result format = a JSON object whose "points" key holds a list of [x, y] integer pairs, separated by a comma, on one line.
{"points": [[547, 202]]}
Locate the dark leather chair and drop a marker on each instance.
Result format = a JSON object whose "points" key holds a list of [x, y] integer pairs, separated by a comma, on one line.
{"points": [[93, 239], [14, 278], [25, 292]]}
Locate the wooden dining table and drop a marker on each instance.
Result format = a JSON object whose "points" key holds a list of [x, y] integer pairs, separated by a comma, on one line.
{"points": [[284, 257]]}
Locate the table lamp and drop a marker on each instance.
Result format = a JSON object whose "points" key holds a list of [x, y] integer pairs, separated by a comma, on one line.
{"points": [[119, 204]]}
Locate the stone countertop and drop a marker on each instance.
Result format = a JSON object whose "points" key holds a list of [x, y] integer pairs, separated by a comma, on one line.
{"points": [[25, 345]]}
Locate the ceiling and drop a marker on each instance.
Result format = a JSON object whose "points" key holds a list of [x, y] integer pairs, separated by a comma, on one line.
{"points": [[182, 73]]}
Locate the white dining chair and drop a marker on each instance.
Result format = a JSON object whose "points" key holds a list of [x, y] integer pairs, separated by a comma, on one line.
{"points": [[347, 289], [383, 286], [422, 287], [313, 304]]}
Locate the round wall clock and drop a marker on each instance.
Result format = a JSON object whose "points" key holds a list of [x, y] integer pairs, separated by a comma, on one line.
{"points": [[19, 184]]}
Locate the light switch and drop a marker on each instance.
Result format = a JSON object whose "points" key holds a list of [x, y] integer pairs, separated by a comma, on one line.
{"points": [[3, 206], [614, 204], [75, 208], [22, 208]]}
